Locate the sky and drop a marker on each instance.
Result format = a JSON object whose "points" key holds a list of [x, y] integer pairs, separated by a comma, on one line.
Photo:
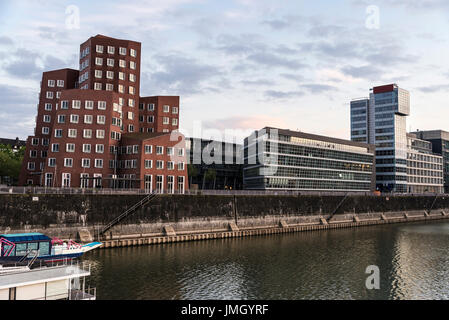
{"points": [[240, 65]]}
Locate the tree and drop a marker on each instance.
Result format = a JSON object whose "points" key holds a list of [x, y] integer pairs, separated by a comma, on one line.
{"points": [[210, 175], [10, 161], [192, 171]]}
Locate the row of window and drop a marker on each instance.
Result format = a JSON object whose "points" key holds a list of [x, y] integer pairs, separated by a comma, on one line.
{"points": [[165, 120], [87, 133], [59, 83], [111, 50], [74, 118], [110, 75], [165, 108], [111, 63]]}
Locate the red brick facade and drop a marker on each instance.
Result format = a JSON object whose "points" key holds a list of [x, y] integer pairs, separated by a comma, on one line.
{"points": [[83, 116]]}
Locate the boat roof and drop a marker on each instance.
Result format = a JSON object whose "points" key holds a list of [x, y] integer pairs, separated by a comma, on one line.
{"points": [[25, 237]]}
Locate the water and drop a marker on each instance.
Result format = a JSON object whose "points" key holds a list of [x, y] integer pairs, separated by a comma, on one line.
{"points": [[413, 260]]}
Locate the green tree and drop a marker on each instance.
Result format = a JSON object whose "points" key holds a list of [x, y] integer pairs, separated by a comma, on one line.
{"points": [[10, 161]]}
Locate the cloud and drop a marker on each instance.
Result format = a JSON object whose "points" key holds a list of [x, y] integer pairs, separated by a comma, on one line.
{"points": [[363, 72], [181, 75], [273, 60], [4, 40], [274, 94], [318, 88], [254, 122], [434, 88], [17, 111]]}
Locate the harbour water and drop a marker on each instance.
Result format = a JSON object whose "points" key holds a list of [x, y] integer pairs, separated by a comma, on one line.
{"points": [[413, 260]]}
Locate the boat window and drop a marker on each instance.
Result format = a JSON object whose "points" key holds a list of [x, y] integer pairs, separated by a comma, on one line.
{"points": [[21, 249], [44, 248], [32, 245], [5, 250]]}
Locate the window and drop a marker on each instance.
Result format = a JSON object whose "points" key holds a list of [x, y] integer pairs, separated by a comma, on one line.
{"points": [[131, 102], [64, 105], [132, 65], [181, 184], [85, 163], [170, 165], [89, 105], [130, 115], [166, 108], [31, 165], [174, 110], [99, 49], [130, 128], [99, 61], [180, 152], [47, 118], [58, 133], [72, 133], [159, 150], [76, 104], [61, 83], [86, 148], [148, 164], [121, 76], [133, 53], [181, 166], [101, 119], [101, 105], [98, 163], [100, 134], [48, 107], [159, 183], [170, 151], [170, 184], [88, 119], [98, 74], [121, 88], [111, 50], [45, 130], [132, 77], [122, 63], [49, 95], [45, 141], [68, 162], [109, 87], [122, 51], [51, 83], [66, 177], [70, 147], [110, 74], [87, 133], [51, 162], [150, 119], [174, 122], [43, 155], [58, 94], [99, 148], [165, 120], [33, 153], [74, 118], [131, 90], [151, 107], [148, 149], [35, 141], [98, 86], [159, 164], [55, 147]]}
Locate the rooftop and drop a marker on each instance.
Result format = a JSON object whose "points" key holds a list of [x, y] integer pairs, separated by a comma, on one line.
{"points": [[40, 275]]}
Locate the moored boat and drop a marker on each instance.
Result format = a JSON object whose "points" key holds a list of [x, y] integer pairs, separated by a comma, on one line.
{"points": [[23, 246]]}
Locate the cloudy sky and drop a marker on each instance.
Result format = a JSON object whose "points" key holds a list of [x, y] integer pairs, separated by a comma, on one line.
{"points": [[240, 64]]}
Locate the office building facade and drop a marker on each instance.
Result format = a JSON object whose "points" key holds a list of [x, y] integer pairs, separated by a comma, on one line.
{"points": [[440, 145], [83, 115], [386, 112], [277, 159], [215, 165]]}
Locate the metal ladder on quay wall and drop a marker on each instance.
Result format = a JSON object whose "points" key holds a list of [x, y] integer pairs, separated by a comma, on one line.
{"points": [[128, 212]]}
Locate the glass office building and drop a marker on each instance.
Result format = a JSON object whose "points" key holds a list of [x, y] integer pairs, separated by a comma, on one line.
{"points": [[386, 112], [277, 159]]}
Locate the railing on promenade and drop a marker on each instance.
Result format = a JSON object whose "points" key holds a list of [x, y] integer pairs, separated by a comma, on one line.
{"points": [[104, 191]]}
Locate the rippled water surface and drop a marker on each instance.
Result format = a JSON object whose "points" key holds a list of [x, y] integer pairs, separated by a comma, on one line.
{"points": [[413, 260]]}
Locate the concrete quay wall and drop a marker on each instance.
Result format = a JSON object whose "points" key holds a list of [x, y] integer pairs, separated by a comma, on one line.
{"points": [[185, 217]]}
